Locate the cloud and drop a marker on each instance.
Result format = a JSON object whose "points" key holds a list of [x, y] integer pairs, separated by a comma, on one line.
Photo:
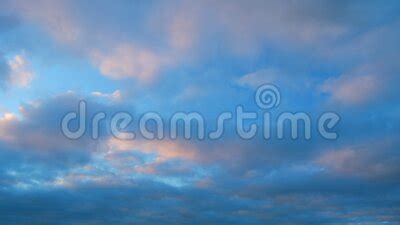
{"points": [[371, 70], [247, 27], [21, 75], [190, 93], [115, 96], [147, 46], [274, 76], [54, 16], [127, 60], [226, 181], [182, 32], [229, 181], [115, 57], [377, 161], [363, 85], [168, 168], [164, 149], [16, 72], [352, 89], [147, 202], [35, 132], [260, 77]]}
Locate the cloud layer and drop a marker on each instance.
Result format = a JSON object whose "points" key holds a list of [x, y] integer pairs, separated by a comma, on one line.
{"points": [[206, 57]]}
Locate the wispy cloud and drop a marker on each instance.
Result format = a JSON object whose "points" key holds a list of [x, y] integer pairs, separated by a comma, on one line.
{"points": [[21, 74]]}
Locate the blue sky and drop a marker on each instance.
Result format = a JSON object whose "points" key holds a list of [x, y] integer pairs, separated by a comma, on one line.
{"points": [[208, 57]]}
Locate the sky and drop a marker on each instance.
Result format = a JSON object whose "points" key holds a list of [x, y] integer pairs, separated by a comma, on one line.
{"points": [[207, 57]]}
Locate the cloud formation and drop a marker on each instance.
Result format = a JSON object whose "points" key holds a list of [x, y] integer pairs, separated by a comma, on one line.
{"points": [[206, 57], [126, 61], [21, 74]]}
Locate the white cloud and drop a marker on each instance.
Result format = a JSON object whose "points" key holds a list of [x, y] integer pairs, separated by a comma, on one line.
{"points": [[116, 96], [259, 77], [190, 93], [276, 77]]}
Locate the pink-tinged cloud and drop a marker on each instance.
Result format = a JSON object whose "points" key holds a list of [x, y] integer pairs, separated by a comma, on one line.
{"points": [[377, 160], [21, 75], [115, 59], [7, 122], [128, 60], [164, 149], [353, 90], [182, 33], [56, 17]]}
